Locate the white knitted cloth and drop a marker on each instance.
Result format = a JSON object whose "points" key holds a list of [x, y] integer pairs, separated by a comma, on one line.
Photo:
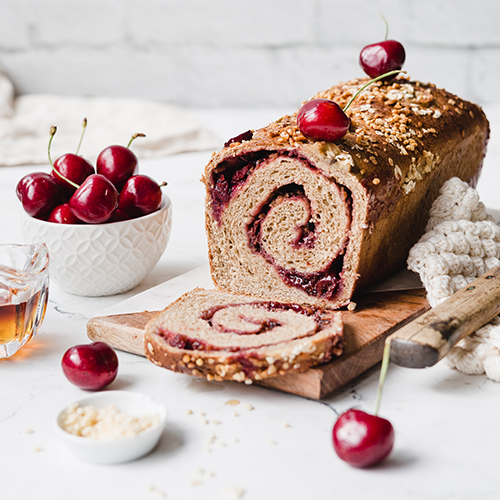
{"points": [[461, 243]]}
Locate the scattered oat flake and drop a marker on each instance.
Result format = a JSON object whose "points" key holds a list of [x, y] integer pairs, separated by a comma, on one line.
{"points": [[196, 482], [156, 490], [204, 421], [210, 439], [202, 413], [235, 491], [232, 402], [189, 412], [234, 414], [36, 449], [216, 422], [249, 407], [272, 441], [285, 424], [29, 431]]}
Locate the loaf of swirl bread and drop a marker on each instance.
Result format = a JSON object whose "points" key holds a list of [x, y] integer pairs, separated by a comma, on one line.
{"points": [[221, 336], [295, 220]]}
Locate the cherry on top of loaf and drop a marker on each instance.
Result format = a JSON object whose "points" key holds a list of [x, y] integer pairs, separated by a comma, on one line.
{"points": [[394, 128], [384, 109], [402, 112]]}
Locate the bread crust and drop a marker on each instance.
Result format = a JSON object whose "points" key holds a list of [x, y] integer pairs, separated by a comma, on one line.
{"points": [[405, 140], [205, 353]]}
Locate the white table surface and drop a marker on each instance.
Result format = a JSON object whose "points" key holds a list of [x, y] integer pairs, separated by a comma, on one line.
{"points": [[447, 431]]}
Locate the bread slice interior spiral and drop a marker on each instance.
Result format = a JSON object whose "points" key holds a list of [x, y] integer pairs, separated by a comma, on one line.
{"points": [[222, 336]]}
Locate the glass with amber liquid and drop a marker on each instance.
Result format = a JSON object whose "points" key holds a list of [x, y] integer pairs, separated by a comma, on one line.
{"points": [[24, 287]]}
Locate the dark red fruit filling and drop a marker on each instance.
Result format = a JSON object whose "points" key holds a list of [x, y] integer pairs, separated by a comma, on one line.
{"points": [[325, 283], [228, 178], [271, 305], [184, 342], [264, 326], [189, 344], [245, 136], [231, 174], [306, 236], [305, 233]]}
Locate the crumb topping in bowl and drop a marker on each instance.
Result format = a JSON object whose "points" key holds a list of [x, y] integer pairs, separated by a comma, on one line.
{"points": [[104, 423]]}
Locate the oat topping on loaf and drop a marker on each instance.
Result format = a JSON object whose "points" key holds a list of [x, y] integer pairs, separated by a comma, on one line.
{"points": [[221, 336], [402, 113], [284, 213]]}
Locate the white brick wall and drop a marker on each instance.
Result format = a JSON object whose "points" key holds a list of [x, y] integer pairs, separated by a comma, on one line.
{"points": [[241, 52]]}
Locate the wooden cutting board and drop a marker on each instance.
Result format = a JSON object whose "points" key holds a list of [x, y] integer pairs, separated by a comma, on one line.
{"points": [[376, 316]]}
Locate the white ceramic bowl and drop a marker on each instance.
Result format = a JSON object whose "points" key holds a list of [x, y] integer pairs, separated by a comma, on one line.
{"points": [[102, 259], [116, 450]]}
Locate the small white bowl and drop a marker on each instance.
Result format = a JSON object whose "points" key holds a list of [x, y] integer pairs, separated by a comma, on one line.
{"points": [[102, 259], [124, 449]]}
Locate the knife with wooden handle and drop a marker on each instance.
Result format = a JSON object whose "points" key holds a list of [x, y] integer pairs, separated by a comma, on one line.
{"points": [[428, 338]]}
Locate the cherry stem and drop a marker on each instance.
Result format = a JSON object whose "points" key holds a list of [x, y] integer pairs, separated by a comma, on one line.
{"points": [[385, 75], [163, 184], [81, 136], [135, 136], [386, 25], [52, 132], [383, 373]]}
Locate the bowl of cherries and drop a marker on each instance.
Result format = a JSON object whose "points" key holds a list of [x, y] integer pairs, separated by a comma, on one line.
{"points": [[105, 227]]}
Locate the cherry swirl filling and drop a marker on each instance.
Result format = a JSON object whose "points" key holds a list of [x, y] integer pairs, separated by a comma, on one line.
{"points": [[250, 325], [230, 178], [324, 283]]}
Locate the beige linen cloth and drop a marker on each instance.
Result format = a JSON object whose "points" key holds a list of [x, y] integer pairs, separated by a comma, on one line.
{"points": [[25, 122]]}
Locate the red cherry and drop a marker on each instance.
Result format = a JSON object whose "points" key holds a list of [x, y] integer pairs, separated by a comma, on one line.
{"points": [[119, 216], [62, 214], [118, 164], [361, 439], [245, 136], [91, 367], [38, 193], [72, 167], [382, 57], [141, 195], [95, 200], [325, 120], [322, 120], [69, 170]]}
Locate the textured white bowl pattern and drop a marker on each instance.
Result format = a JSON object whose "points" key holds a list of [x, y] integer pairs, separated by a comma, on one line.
{"points": [[102, 259]]}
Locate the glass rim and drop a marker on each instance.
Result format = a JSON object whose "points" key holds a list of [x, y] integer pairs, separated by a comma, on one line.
{"points": [[37, 260]]}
